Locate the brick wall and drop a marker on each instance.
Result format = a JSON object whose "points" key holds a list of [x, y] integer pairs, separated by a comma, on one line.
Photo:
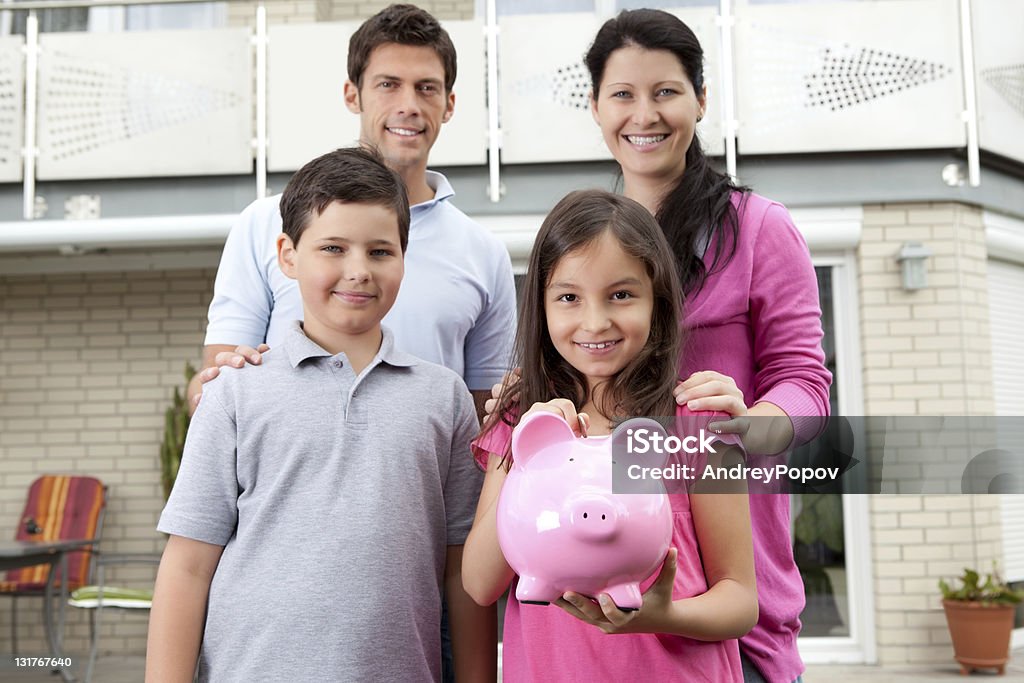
{"points": [[925, 353], [88, 363]]}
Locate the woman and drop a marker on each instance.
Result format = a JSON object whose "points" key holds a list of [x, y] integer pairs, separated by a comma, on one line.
{"points": [[751, 312]]}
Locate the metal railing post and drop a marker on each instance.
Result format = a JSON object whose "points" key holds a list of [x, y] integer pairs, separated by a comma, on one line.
{"points": [[260, 143], [726, 21], [493, 124], [970, 115], [29, 151]]}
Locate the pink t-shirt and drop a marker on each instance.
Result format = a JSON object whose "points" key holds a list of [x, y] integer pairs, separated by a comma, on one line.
{"points": [[543, 643], [758, 321]]}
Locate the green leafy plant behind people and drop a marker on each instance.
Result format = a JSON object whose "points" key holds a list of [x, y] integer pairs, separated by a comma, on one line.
{"points": [[176, 419]]}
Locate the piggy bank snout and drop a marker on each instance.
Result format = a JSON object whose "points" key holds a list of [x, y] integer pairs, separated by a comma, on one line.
{"points": [[592, 517]]}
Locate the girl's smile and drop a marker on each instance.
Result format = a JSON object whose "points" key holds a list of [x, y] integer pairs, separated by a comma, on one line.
{"points": [[598, 348]]}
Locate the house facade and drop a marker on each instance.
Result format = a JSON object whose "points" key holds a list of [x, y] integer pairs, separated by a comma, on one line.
{"points": [[111, 229]]}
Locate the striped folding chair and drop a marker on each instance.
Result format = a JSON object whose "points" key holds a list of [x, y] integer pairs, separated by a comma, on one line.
{"points": [[58, 508]]}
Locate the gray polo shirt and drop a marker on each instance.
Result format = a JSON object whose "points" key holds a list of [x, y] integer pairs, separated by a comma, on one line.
{"points": [[334, 496]]}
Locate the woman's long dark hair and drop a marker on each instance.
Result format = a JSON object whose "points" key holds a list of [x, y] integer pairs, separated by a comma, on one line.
{"points": [[699, 206], [644, 386]]}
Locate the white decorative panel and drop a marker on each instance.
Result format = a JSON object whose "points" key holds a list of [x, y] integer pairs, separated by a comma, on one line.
{"points": [[839, 76], [998, 27], [306, 112], [12, 107], [545, 87], [151, 103], [463, 139]]}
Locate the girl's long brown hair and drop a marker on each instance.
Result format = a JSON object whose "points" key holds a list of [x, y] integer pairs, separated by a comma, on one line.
{"points": [[644, 386]]}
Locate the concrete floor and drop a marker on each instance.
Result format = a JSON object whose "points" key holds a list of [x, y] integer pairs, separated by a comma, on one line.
{"points": [[113, 669], [939, 672], [109, 669]]}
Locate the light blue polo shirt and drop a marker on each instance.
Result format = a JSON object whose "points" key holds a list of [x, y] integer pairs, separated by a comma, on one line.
{"points": [[456, 306], [335, 496]]}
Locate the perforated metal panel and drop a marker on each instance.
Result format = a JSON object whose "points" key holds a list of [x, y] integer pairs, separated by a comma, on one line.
{"points": [[159, 103], [838, 76], [545, 87], [545, 115], [306, 117], [999, 62], [12, 107]]}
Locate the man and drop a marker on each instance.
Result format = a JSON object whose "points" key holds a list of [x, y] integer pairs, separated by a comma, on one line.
{"points": [[457, 302]]}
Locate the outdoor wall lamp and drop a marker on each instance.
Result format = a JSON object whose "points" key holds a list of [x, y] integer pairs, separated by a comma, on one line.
{"points": [[911, 258]]}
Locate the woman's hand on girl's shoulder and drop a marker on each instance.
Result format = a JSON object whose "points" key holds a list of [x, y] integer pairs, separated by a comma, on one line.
{"points": [[712, 391], [563, 407], [656, 615]]}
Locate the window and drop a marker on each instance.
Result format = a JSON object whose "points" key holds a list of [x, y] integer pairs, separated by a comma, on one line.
{"points": [[197, 15]]}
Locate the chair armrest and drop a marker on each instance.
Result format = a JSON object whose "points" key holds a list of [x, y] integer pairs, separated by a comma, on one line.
{"points": [[105, 559]]}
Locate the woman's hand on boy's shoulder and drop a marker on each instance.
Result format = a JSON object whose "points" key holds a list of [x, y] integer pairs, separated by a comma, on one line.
{"points": [[656, 615], [491, 404]]}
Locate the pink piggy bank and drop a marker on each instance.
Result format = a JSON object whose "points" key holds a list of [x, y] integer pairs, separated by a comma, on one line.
{"points": [[560, 526]]}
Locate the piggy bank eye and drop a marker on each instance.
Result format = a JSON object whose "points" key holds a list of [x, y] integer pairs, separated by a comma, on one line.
{"points": [[571, 459]]}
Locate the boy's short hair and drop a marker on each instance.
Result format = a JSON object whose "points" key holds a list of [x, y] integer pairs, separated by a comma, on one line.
{"points": [[355, 175], [403, 25]]}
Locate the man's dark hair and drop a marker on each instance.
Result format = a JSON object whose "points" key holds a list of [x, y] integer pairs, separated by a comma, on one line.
{"points": [[355, 175], [403, 25]]}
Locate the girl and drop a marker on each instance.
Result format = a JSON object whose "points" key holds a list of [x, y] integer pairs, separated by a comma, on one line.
{"points": [[599, 331], [752, 299]]}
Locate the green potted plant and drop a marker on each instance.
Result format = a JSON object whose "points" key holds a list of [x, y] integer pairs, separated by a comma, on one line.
{"points": [[980, 619], [176, 420]]}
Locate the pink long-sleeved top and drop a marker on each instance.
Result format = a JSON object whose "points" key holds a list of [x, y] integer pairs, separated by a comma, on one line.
{"points": [[758, 321]]}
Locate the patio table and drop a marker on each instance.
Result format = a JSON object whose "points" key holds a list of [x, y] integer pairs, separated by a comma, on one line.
{"points": [[14, 554]]}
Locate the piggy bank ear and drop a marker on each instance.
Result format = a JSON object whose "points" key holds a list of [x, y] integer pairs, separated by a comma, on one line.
{"points": [[633, 440], [536, 432]]}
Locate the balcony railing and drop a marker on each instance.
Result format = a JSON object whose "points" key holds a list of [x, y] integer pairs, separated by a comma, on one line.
{"points": [[809, 78]]}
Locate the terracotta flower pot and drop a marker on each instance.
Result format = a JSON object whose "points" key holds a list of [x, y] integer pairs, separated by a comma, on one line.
{"points": [[981, 634]]}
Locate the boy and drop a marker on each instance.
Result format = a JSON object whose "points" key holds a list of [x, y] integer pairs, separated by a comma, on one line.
{"points": [[324, 497]]}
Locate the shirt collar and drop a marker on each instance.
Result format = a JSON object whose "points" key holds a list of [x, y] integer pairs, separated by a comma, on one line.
{"points": [[299, 348], [441, 187]]}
